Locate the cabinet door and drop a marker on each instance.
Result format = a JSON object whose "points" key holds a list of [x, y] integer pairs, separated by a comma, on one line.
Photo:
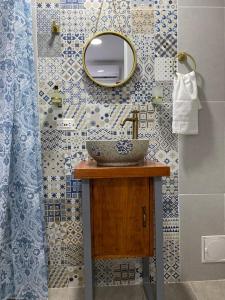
{"points": [[122, 217]]}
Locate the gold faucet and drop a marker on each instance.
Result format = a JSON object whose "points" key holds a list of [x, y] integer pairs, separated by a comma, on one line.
{"points": [[134, 121]]}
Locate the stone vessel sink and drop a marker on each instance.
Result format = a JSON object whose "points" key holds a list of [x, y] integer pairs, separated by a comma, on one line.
{"points": [[118, 153]]}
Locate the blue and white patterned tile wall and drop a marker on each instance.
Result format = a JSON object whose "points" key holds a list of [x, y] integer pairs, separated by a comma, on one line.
{"points": [[96, 113]]}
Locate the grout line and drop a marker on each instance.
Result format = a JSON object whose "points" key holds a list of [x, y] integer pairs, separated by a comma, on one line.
{"points": [[200, 7], [224, 213], [203, 194], [193, 291]]}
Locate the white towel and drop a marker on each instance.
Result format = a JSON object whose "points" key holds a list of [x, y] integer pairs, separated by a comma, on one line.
{"points": [[185, 104]]}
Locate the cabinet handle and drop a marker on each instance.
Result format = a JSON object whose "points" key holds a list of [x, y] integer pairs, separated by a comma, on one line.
{"points": [[144, 216]]}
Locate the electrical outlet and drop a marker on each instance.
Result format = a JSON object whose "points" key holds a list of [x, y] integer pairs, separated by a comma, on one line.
{"points": [[66, 124]]}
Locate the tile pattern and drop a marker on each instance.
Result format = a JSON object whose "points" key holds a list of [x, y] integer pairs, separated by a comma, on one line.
{"points": [[164, 69], [142, 20], [45, 17], [165, 46], [49, 45], [49, 4], [124, 273], [54, 210], [73, 209], [75, 276], [58, 277], [96, 113], [52, 139], [72, 4], [166, 22], [53, 163], [49, 69]]}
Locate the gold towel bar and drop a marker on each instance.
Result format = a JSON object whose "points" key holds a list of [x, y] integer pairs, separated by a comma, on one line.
{"points": [[182, 58]]}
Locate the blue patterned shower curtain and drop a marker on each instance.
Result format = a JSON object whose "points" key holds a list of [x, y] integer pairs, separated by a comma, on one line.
{"points": [[23, 267]]}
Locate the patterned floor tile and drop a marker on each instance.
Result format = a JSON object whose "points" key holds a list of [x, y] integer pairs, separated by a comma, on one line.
{"points": [[45, 17], [48, 45]]}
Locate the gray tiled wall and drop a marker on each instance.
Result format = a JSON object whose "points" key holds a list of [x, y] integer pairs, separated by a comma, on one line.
{"points": [[202, 157]]}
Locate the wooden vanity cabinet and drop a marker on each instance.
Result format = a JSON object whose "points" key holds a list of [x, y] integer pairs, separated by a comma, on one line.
{"points": [[122, 212]]}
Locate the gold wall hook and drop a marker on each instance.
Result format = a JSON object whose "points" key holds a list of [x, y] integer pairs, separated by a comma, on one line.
{"points": [[55, 27], [182, 57]]}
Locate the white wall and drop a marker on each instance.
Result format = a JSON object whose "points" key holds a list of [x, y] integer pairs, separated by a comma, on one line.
{"points": [[202, 157]]}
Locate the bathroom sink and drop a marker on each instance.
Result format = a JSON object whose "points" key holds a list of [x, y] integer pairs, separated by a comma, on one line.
{"points": [[118, 153]]}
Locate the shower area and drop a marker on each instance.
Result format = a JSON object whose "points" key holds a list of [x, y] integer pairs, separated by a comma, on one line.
{"points": [[41, 226]]}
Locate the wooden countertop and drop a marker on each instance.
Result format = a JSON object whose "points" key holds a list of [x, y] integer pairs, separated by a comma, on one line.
{"points": [[90, 170]]}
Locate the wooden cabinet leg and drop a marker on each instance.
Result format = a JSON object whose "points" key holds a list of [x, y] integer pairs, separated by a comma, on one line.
{"points": [[159, 239], [88, 269]]}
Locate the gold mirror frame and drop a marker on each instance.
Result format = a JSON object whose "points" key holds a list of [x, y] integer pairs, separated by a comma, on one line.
{"points": [[132, 48]]}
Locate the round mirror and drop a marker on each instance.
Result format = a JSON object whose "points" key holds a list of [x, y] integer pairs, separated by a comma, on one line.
{"points": [[109, 59]]}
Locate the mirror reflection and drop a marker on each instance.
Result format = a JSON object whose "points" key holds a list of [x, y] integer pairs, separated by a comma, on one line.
{"points": [[109, 59]]}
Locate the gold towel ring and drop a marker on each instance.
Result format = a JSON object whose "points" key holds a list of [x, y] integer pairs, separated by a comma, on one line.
{"points": [[182, 58]]}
